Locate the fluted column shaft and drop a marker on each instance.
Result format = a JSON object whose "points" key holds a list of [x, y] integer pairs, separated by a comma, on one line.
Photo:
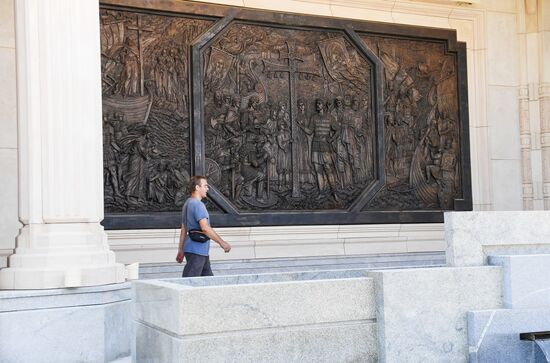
{"points": [[543, 25], [544, 93], [60, 149], [525, 143]]}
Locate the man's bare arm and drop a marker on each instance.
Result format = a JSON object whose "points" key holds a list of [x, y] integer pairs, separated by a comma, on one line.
{"points": [[209, 231], [181, 245]]}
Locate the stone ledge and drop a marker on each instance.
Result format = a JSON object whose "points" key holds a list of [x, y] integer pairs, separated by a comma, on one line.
{"points": [[18, 300]]}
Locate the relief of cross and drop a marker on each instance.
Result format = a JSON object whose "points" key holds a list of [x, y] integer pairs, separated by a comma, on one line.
{"points": [[140, 28], [292, 66]]}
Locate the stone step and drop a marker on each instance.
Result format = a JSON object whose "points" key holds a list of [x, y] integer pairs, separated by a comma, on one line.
{"points": [[255, 266]]}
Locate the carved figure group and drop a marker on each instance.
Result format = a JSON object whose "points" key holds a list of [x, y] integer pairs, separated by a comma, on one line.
{"points": [[329, 150], [422, 151], [135, 172]]}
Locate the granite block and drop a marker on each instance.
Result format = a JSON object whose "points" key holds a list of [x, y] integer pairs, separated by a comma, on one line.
{"points": [[345, 342], [315, 316], [232, 303], [493, 335], [153, 345], [119, 331], [421, 313], [68, 334], [525, 280], [67, 325], [471, 236]]}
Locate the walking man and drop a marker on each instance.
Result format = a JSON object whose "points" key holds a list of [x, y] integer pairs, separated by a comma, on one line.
{"points": [[195, 216]]}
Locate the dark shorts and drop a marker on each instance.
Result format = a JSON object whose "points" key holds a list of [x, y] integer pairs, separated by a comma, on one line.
{"points": [[196, 265]]}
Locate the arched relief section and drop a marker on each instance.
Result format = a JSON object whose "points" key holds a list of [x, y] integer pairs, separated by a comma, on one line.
{"points": [[289, 118]]}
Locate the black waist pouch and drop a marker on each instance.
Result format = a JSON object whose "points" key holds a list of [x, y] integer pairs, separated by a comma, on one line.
{"points": [[197, 235]]}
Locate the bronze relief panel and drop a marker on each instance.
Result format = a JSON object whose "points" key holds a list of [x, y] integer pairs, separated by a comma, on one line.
{"points": [[294, 119]]}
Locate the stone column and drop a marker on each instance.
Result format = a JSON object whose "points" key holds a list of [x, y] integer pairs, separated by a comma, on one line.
{"points": [[61, 243], [525, 102], [525, 144], [534, 129], [544, 94]]}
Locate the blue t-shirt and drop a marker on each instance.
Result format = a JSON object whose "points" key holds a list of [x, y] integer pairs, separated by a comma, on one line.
{"points": [[196, 210]]}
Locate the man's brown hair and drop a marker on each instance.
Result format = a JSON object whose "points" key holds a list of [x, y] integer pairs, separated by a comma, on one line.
{"points": [[193, 182]]}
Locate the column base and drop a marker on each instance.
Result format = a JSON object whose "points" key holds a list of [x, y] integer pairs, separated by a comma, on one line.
{"points": [[16, 278], [61, 255]]}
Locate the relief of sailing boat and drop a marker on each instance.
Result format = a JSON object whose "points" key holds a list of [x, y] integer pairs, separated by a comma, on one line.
{"points": [[123, 80]]}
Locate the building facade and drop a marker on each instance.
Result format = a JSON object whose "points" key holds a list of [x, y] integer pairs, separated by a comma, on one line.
{"points": [[51, 167]]}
